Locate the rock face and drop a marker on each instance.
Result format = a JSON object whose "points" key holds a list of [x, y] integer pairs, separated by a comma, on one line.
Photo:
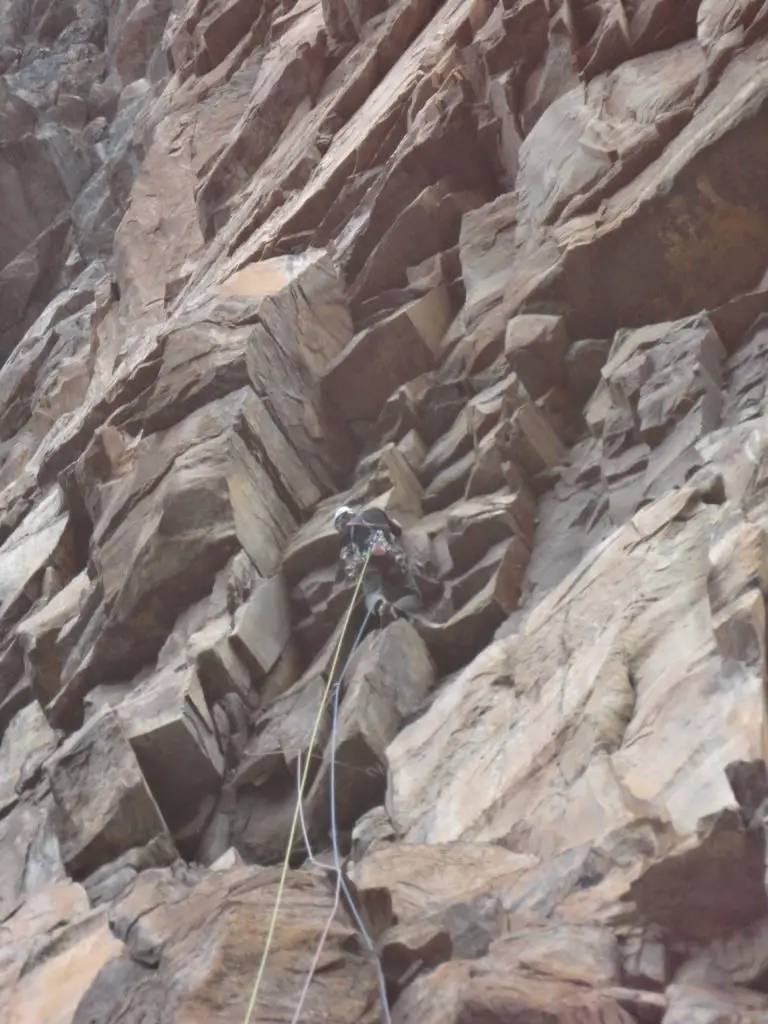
{"points": [[501, 270]]}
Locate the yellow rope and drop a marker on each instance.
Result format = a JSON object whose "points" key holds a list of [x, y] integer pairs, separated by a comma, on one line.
{"points": [[302, 784]]}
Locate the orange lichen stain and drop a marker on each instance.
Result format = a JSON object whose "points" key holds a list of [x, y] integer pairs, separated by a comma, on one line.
{"points": [[712, 246]]}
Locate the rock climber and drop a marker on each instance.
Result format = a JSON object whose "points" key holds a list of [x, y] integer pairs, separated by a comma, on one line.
{"points": [[389, 587]]}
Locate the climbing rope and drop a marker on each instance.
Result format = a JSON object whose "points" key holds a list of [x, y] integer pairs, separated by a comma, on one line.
{"points": [[300, 795], [340, 879], [337, 855], [319, 950], [332, 790]]}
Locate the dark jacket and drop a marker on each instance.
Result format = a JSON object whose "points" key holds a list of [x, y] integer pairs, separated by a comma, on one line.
{"points": [[361, 527]]}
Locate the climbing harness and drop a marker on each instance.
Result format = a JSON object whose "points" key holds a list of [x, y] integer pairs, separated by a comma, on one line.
{"points": [[378, 546], [299, 798]]}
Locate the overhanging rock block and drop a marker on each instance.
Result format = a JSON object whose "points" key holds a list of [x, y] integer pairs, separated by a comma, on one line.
{"points": [[263, 625], [103, 805], [169, 727]]}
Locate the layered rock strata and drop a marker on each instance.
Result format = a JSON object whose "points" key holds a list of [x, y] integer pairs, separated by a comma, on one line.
{"points": [[501, 270]]}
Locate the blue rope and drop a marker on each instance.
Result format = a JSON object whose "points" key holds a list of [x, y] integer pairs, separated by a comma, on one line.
{"points": [[334, 829]]}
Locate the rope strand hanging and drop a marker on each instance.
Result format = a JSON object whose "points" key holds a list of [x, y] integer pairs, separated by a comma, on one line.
{"points": [[339, 874], [294, 823], [337, 856]]}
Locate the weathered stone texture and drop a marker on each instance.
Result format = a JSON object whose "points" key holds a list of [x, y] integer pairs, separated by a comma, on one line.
{"points": [[499, 269]]}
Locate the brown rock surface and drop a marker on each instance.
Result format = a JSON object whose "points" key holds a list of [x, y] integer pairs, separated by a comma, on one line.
{"points": [[501, 270], [103, 804]]}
